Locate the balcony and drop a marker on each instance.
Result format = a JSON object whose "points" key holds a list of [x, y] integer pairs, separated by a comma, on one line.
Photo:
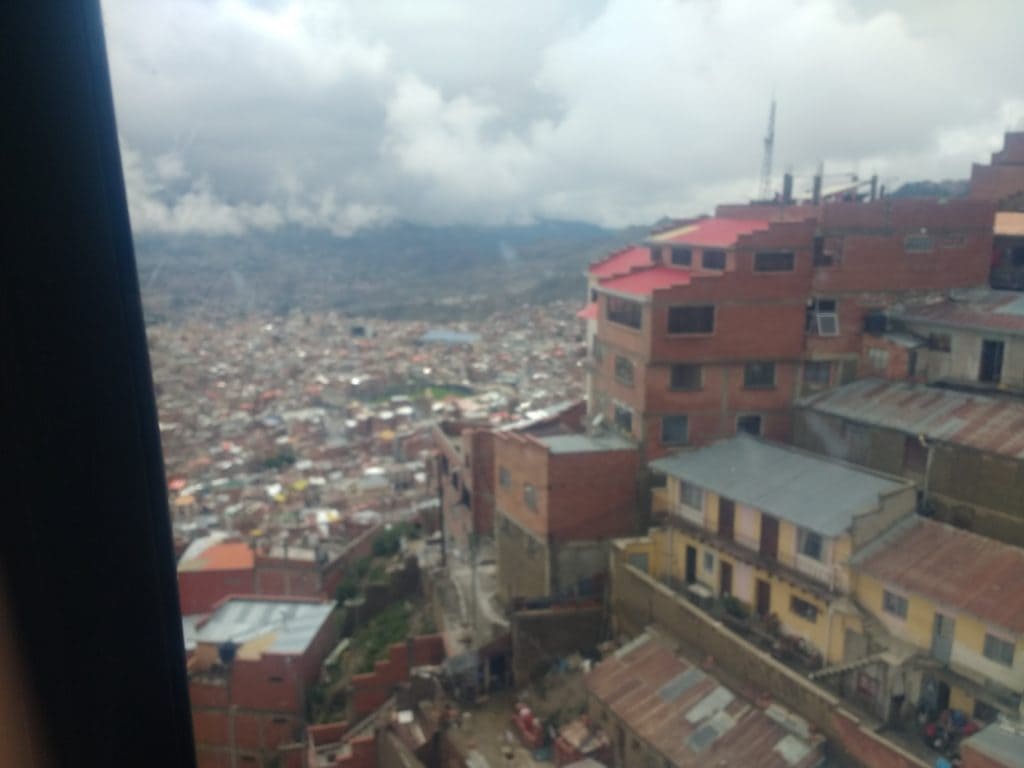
{"points": [[690, 514], [815, 569]]}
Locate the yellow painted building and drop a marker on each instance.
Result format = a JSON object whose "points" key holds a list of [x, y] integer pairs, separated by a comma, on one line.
{"points": [[956, 597], [775, 528]]}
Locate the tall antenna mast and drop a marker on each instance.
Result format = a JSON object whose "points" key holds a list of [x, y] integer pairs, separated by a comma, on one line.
{"points": [[766, 162]]}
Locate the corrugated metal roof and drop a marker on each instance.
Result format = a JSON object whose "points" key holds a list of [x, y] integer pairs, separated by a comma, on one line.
{"points": [[980, 309], [644, 282], [622, 262], [702, 723], [952, 567], [988, 424], [710, 233], [1003, 742], [288, 626], [813, 492]]}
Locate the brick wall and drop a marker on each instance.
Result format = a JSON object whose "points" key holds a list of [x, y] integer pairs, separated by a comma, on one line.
{"points": [[542, 637], [199, 591], [372, 689]]}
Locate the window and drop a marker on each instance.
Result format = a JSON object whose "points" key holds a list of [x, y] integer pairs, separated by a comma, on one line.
{"points": [[624, 312], [623, 418], [530, 496], [803, 609], [820, 256], [749, 423], [774, 261], [682, 257], [685, 376], [709, 561], [759, 375], [878, 359], [940, 342], [810, 544], [691, 495], [691, 319], [894, 604], [624, 369], [504, 478], [999, 650], [817, 373], [713, 259], [822, 318], [674, 430], [918, 243], [597, 351], [655, 254]]}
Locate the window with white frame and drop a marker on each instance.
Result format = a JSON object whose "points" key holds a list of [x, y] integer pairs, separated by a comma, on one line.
{"points": [[823, 317], [878, 359]]}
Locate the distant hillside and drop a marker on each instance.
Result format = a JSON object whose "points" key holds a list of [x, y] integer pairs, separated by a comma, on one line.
{"points": [[405, 270], [947, 189]]}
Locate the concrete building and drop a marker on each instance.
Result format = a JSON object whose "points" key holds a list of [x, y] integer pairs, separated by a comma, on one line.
{"points": [[970, 339], [965, 451], [559, 498], [735, 316], [659, 709], [774, 528], [251, 663], [954, 598]]}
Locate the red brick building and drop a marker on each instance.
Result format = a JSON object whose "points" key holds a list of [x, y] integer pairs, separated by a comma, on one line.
{"points": [[212, 568], [559, 497], [251, 664], [734, 317], [464, 470]]}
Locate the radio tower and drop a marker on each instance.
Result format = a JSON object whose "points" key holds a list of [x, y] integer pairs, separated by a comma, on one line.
{"points": [[766, 162]]}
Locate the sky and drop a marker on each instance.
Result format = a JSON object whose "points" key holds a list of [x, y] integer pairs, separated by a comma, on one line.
{"points": [[238, 117]]}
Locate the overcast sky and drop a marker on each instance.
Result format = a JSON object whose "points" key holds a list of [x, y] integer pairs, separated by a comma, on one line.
{"points": [[244, 116]]}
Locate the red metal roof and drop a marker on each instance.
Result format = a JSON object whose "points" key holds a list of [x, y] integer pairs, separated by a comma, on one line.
{"points": [[643, 282], [952, 567], [589, 312], [622, 262], [992, 425], [687, 715], [225, 556], [712, 233]]}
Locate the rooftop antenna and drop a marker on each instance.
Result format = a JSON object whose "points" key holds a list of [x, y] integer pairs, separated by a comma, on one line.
{"points": [[769, 149]]}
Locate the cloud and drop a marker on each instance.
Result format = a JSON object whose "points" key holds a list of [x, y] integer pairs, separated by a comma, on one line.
{"points": [[240, 117]]}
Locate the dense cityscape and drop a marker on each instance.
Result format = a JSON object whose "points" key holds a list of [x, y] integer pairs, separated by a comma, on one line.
{"points": [[755, 501]]}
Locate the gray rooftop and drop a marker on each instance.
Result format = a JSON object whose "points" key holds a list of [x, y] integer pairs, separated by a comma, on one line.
{"points": [[585, 443], [240, 620], [810, 491]]}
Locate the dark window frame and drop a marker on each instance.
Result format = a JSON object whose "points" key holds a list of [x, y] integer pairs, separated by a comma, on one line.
{"points": [[751, 379], [717, 254], [685, 430], [805, 610], [817, 381], [740, 418], [680, 256], [895, 604], [625, 370], [998, 649], [774, 261], [628, 313], [695, 370], [691, 320]]}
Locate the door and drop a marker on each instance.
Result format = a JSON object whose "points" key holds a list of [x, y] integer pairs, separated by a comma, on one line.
{"points": [[942, 637], [769, 536], [991, 361], [726, 518], [725, 578], [691, 564], [764, 597]]}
